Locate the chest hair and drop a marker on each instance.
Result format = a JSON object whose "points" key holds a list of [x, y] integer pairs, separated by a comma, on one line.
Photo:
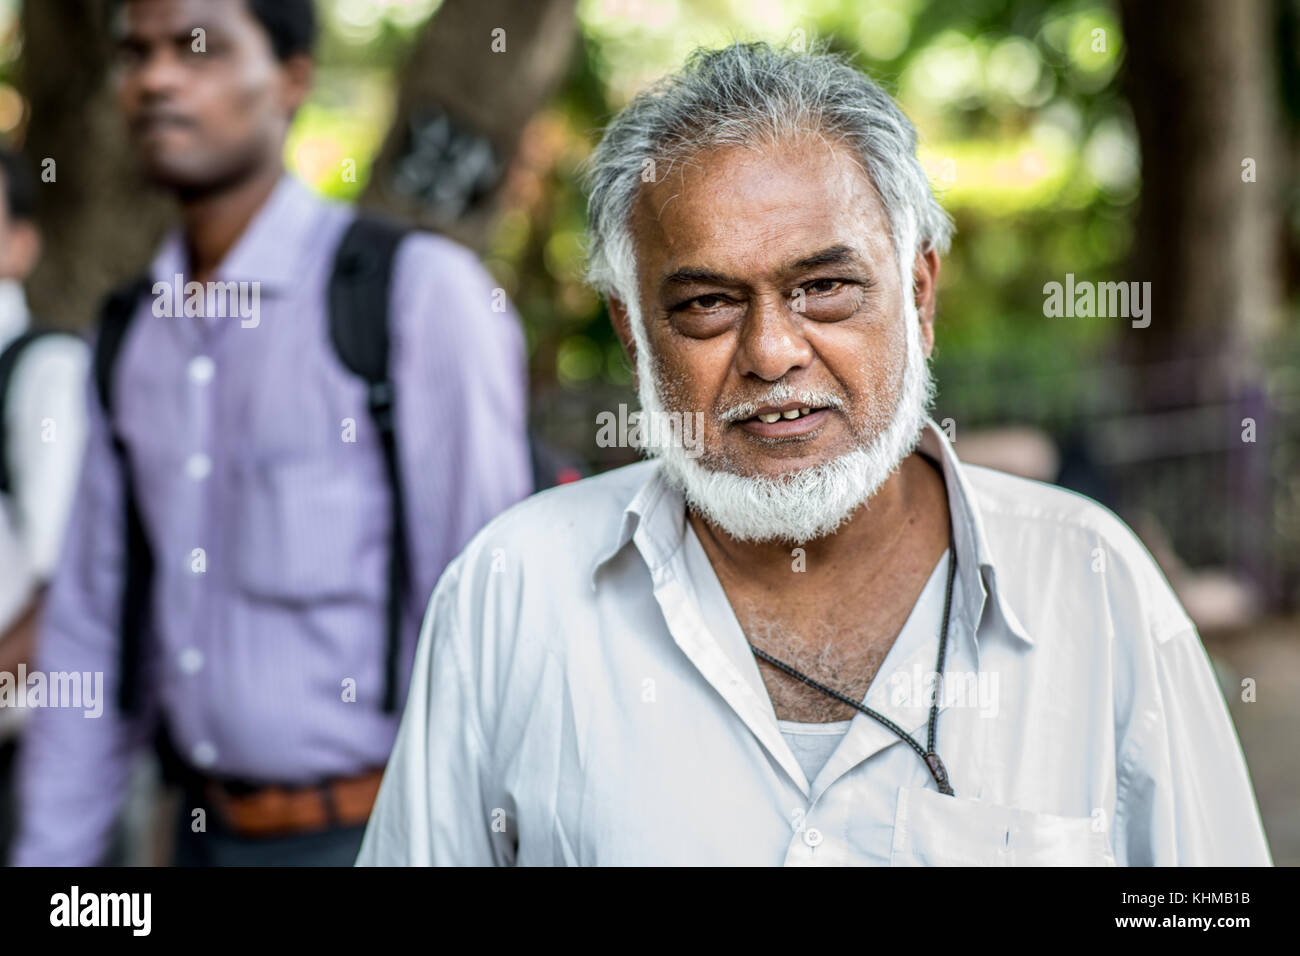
{"points": [[826, 653]]}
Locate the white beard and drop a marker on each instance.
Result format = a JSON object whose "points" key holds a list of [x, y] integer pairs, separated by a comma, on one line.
{"points": [[802, 505]]}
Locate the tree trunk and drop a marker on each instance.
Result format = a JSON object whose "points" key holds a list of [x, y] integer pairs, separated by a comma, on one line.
{"points": [[100, 221], [1200, 80], [479, 71]]}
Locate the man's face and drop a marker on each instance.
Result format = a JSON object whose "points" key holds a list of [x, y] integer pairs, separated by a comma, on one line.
{"points": [[763, 267], [20, 243], [203, 109]]}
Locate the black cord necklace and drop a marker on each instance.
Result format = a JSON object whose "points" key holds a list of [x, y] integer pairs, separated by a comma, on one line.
{"points": [[928, 753]]}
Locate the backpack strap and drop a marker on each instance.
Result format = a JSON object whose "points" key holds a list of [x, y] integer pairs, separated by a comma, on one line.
{"points": [[114, 321], [8, 365], [359, 329]]}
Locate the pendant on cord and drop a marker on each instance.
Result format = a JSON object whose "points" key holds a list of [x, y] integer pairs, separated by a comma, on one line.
{"points": [[939, 772]]}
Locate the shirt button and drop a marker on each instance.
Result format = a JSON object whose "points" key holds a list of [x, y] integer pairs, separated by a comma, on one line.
{"points": [[204, 754], [202, 369], [812, 836], [198, 465], [191, 660]]}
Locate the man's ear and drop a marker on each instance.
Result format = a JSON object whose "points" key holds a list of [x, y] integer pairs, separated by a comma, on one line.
{"points": [[22, 250], [622, 322], [925, 281], [299, 73]]}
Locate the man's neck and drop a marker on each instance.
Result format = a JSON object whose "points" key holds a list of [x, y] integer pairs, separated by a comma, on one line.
{"points": [[213, 222], [835, 611], [904, 504]]}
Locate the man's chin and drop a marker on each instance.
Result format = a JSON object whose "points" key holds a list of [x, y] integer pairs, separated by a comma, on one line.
{"points": [[165, 173], [794, 506], [775, 465], [177, 175]]}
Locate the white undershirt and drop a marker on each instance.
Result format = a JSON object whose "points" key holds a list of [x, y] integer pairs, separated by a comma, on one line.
{"points": [[813, 744]]}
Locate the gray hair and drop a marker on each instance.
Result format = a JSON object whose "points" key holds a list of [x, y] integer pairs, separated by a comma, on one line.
{"points": [[744, 94]]}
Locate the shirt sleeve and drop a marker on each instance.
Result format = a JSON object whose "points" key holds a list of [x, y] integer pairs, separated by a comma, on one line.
{"points": [[462, 401], [47, 429], [432, 808], [75, 761], [1184, 796]]}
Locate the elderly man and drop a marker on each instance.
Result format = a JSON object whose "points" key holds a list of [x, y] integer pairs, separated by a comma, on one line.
{"points": [[731, 658]]}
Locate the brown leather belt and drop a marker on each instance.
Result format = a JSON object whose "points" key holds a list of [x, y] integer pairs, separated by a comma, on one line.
{"points": [[280, 811]]}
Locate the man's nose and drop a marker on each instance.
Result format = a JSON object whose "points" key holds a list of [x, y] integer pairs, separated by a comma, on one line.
{"points": [[160, 74], [771, 340]]}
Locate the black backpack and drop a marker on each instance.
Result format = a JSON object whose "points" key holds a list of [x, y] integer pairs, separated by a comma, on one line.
{"points": [[358, 318], [8, 363]]}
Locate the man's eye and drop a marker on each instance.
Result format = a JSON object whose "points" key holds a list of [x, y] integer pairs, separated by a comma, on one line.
{"points": [[824, 286], [703, 303], [198, 46], [129, 55]]}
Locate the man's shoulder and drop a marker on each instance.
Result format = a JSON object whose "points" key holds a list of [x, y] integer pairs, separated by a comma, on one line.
{"points": [[421, 250], [446, 297], [1004, 496], [522, 587], [565, 527], [54, 360], [45, 341], [417, 248], [1040, 525]]}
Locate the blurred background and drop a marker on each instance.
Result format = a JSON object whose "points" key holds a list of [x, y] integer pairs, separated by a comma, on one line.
{"points": [[1137, 140]]}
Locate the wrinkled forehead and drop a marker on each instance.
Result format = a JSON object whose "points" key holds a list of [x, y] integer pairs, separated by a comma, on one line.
{"points": [[750, 211]]}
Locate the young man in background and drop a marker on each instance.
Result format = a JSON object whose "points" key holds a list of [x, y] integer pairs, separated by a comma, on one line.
{"points": [[253, 468]]}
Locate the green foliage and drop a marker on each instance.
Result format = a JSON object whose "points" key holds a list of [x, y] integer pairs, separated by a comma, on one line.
{"points": [[1027, 140]]}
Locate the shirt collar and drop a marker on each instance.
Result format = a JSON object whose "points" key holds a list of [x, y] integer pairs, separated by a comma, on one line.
{"points": [[656, 520], [976, 564], [269, 250]]}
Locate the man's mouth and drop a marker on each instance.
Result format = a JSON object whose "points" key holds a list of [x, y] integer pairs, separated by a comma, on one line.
{"points": [[786, 413], [785, 421], [155, 123]]}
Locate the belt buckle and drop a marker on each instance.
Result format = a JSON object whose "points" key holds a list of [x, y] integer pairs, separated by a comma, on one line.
{"points": [[326, 791]]}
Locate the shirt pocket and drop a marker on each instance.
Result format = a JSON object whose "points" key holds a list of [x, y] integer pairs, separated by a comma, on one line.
{"points": [[932, 829], [309, 531]]}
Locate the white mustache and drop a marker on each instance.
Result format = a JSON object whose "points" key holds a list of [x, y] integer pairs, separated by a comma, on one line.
{"points": [[779, 395]]}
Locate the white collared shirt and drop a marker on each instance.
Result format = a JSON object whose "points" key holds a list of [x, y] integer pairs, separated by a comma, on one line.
{"points": [[583, 694]]}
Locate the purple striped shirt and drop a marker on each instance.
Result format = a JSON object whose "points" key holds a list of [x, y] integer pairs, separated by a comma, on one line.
{"points": [[262, 489]]}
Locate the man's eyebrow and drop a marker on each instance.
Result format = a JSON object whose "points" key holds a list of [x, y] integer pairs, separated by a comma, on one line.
{"points": [[185, 36], [124, 33], [830, 256], [186, 33], [689, 275]]}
